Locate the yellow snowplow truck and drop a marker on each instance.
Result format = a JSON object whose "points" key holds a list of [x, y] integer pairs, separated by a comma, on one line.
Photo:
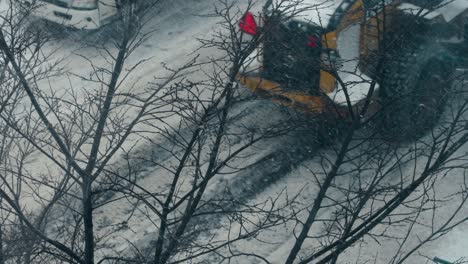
{"points": [[330, 57]]}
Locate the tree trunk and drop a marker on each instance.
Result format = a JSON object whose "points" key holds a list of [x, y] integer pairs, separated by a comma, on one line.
{"points": [[88, 223]]}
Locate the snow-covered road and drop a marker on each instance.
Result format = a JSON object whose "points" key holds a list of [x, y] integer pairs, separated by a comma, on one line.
{"points": [[178, 26]]}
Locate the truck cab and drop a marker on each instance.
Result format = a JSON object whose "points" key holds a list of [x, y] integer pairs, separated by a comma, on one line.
{"points": [[317, 46], [338, 58]]}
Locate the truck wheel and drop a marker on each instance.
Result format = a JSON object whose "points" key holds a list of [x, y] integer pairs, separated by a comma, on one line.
{"points": [[414, 90]]}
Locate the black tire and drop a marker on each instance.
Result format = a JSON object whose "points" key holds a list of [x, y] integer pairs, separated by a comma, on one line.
{"points": [[414, 89]]}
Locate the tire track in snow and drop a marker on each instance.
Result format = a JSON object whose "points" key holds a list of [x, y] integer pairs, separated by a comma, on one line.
{"points": [[270, 166]]}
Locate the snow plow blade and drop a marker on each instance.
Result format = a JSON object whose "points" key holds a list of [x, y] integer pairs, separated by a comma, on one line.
{"points": [[273, 91]]}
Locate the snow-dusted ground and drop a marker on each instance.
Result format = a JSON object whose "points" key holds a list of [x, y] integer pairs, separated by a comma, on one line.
{"points": [[178, 27]]}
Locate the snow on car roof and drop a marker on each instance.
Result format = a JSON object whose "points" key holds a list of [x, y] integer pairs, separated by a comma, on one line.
{"points": [[449, 9], [315, 11], [452, 8], [321, 11], [415, 10]]}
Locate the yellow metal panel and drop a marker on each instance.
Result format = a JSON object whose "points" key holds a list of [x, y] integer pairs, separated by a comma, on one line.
{"points": [[254, 83], [329, 40], [273, 91], [372, 33], [327, 82], [354, 15]]}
